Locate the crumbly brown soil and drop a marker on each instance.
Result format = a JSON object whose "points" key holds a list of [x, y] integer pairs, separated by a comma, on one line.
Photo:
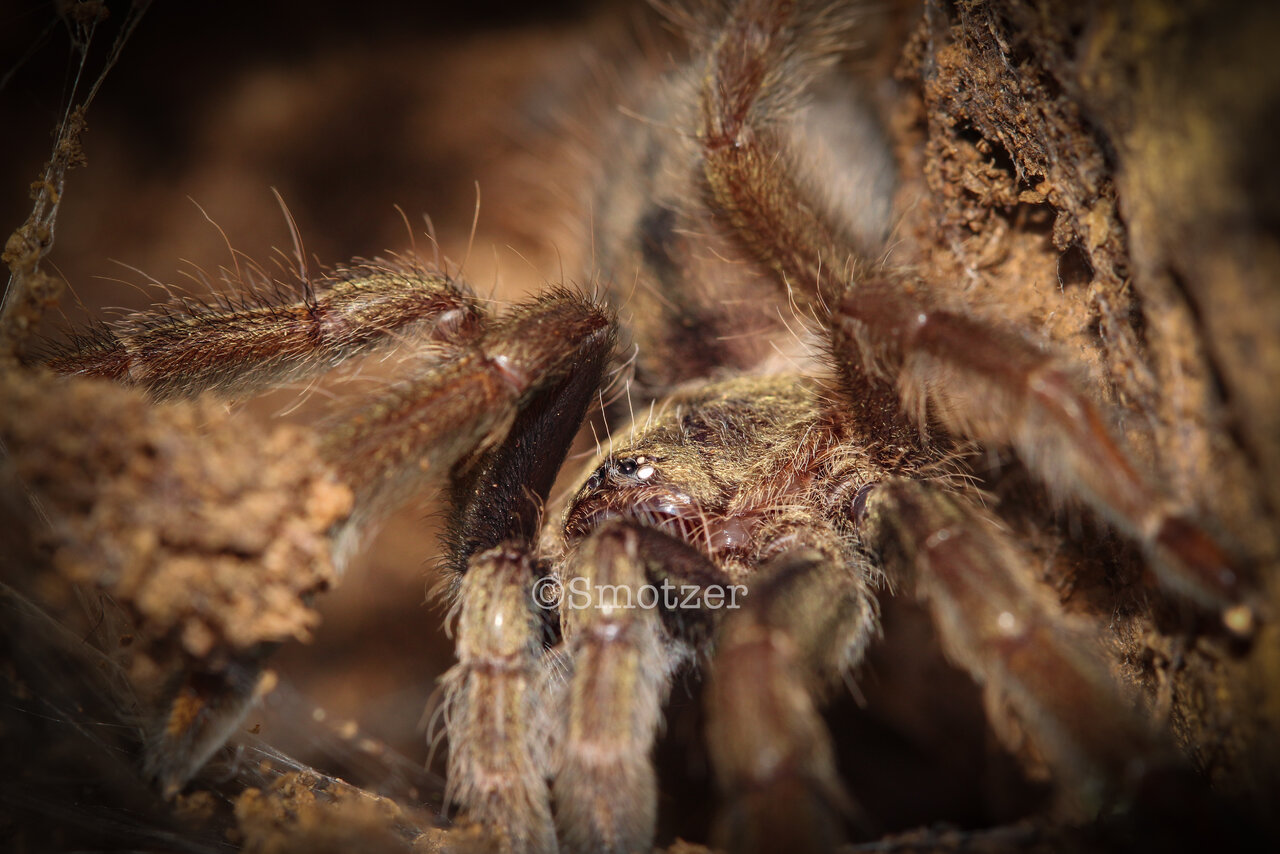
{"points": [[1103, 178], [1100, 176], [213, 543]]}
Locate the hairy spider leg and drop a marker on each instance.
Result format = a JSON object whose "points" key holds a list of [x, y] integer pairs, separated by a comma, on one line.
{"points": [[623, 659], [978, 379], [808, 618], [1015, 641], [589, 721], [256, 338], [498, 753]]}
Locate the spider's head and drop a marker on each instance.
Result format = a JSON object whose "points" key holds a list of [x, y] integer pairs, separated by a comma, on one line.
{"points": [[670, 490], [633, 486], [711, 469]]}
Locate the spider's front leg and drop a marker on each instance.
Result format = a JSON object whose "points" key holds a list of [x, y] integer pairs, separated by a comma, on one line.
{"points": [[807, 620], [625, 637], [514, 722], [493, 704], [1014, 639]]}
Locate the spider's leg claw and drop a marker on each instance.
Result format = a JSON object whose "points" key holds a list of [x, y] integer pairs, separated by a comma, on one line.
{"points": [[1190, 560]]}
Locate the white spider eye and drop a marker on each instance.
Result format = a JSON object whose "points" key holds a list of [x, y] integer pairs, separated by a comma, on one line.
{"points": [[616, 473], [640, 468]]}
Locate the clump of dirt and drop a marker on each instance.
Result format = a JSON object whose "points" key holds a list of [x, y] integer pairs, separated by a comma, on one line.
{"points": [[213, 537], [154, 553]]}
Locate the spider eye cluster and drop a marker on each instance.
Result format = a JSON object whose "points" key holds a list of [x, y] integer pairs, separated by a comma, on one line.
{"points": [[626, 487], [625, 469]]}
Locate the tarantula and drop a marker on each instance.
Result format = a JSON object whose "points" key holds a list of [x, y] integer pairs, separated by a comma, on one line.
{"points": [[790, 467]]}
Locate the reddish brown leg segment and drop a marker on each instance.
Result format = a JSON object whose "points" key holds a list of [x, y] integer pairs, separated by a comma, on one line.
{"points": [[758, 68], [806, 620], [1012, 638], [991, 384], [247, 344]]}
